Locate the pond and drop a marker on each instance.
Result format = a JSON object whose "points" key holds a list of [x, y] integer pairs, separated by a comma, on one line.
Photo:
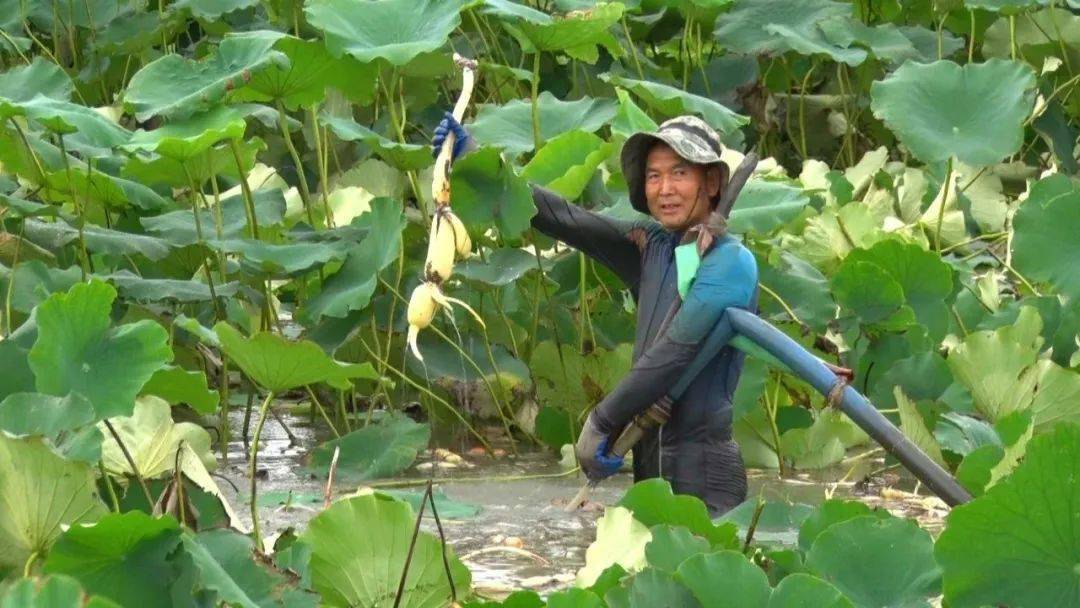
{"points": [[522, 537]]}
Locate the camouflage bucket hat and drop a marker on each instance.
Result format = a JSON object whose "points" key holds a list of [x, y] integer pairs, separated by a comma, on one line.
{"points": [[689, 136]]}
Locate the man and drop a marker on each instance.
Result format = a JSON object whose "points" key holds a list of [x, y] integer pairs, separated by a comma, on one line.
{"points": [[675, 175]]}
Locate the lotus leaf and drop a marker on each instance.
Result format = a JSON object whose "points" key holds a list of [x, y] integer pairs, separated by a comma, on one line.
{"points": [[925, 280], [284, 259], [124, 557], [577, 33], [1023, 527], [177, 88], [630, 118], [671, 546], [381, 449], [178, 385], [803, 288], [802, 590], [620, 539], [276, 364], [962, 434], [914, 427], [973, 112], [358, 551], [869, 291], [999, 367], [885, 42], [1045, 224], [42, 493], [575, 382], [153, 439], [776, 26], [652, 502], [85, 129], [574, 598], [56, 591], [403, 156], [192, 137], [77, 347], [178, 227], [724, 579], [396, 31], [210, 10], [217, 161], [566, 163], [223, 560], [32, 282], [502, 267], [976, 469], [877, 562], [41, 77], [487, 191], [509, 126], [765, 206], [1038, 34], [672, 102], [138, 289], [651, 587], [44, 415], [445, 362], [831, 512], [352, 286], [824, 243], [54, 235], [447, 508]]}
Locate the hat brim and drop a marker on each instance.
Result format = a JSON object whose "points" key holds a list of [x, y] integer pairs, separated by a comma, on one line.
{"points": [[634, 154]]}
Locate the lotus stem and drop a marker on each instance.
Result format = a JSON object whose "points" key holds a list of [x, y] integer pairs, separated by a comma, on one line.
{"points": [[202, 241], [301, 175], [109, 486], [245, 189], [412, 545], [322, 158], [85, 264], [537, 139], [131, 463], [316, 404], [758, 509], [633, 49], [783, 304], [253, 469], [802, 109]]}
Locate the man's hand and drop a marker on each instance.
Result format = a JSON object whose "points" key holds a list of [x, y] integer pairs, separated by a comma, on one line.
{"points": [[592, 453], [447, 125]]}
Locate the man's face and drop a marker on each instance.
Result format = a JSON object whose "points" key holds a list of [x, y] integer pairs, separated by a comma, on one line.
{"points": [[677, 191]]}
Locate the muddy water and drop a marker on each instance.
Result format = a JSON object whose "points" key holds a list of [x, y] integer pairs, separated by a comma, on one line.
{"points": [[522, 537]]}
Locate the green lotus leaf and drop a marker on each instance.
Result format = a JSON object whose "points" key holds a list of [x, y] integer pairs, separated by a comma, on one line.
{"points": [[776, 26], [77, 348], [84, 129], [962, 434], [448, 509], [30, 283], [365, 570], [801, 590], [974, 113], [42, 492], [555, 427], [576, 382], [44, 415], [672, 101], [191, 137], [123, 557], [502, 267], [652, 503], [444, 362], [877, 562], [765, 206], [54, 235], [177, 385], [999, 367], [620, 539], [577, 33], [396, 31], [277, 364], [831, 512], [311, 70], [867, 290], [975, 470], [152, 440], [136, 288], [23, 83], [14, 359], [509, 126], [217, 160], [885, 42], [1058, 396], [815, 447], [671, 546], [212, 10], [928, 42], [178, 227], [724, 574], [566, 163], [926, 280], [56, 591], [651, 587], [914, 427], [19, 208], [1039, 35], [630, 118], [824, 243], [515, 12], [1045, 226], [486, 192], [803, 288], [1024, 527], [177, 88], [136, 31], [574, 598], [224, 564], [406, 157], [1005, 7], [381, 449], [352, 286], [290, 259]]}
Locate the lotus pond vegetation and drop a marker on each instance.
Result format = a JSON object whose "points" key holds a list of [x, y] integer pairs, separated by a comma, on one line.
{"points": [[249, 357]]}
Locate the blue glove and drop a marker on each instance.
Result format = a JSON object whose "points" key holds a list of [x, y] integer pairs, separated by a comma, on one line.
{"points": [[449, 124], [591, 450]]}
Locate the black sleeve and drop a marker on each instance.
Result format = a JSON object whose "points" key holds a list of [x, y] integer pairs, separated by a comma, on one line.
{"points": [[614, 243]]}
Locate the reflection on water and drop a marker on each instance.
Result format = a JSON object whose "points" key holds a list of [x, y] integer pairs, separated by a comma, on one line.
{"points": [[522, 536]]}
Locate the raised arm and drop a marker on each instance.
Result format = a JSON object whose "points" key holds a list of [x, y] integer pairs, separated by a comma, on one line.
{"points": [[615, 243], [727, 277]]}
